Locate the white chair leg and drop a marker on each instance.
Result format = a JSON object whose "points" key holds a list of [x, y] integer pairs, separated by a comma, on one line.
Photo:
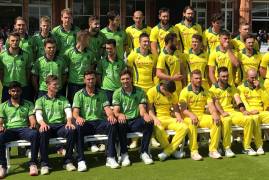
{"points": [[8, 159]]}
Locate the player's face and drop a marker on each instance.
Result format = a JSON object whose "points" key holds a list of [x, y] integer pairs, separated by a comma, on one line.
{"points": [[15, 93], [164, 17], [14, 42], [20, 26], [95, 26], [244, 30], [53, 86], [116, 21], [90, 80], [166, 93], [84, 41], [196, 80], [223, 77], [66, 19], [145, 43], [138, 18], [224, 39], [126, 81], [249, 43], [252, 76], [173, 44], [217, 25], [110, 49], [196, 44], [45, 26], [189, 15], [50, 49]]}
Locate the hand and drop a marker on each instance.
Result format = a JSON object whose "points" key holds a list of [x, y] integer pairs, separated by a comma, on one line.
{"points": [[111, 119], [253, 112], [179, 119], [157, 122], [2, 129], [246, 113], [177, 77], [80, 121], [147, 117], [32, 125], [216, 119], [69, 125], [43, 127], [194, 119], [256, 83], [226, 45], [121, 118], [225, 114]]}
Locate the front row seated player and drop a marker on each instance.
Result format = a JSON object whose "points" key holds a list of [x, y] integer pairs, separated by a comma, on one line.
{"points": [[17, 121]]}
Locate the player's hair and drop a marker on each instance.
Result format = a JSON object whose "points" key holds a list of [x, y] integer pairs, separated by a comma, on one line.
{"points": [[163, 9], [188, 7], [111, 41], [243, 23], [66, 11], [169, 86], [224, 33], [14, 34], [111, 15], [90, 72], [248, 36], [126, 71], [142, 35], [198, 37], [44, 19], [169, 37], [222, 69], [51, 78], [92, 18], [82, 34], [19, 18], [196, 71], [49, 41], [14, 84], [216, 17], [138, 11]]}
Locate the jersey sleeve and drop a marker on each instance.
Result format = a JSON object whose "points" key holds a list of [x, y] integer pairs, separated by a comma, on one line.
{"points": [[212, 59], [77, 102], [183, 98], [243, 97], [38, 104], [104, 100], [116, 100], [151, 95], [131, 59], [66, 104], [154, 35], [161, 62], [265, 61], [31, 109], [143, 98], [2, 115]]}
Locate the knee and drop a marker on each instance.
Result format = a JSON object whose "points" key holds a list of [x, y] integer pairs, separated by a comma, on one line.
{"points": [[34, 134], [70, 131]]}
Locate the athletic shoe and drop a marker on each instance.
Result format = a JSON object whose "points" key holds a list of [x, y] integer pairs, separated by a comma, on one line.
{"points": [[102, 147], [125, 161], [196, 156], [229, 153], [33, 170], [162, 156], [94, 149], [179, 154], [155, 143], [133, 144], [260, 151], [28, 153], [146, 158], [69, 167], [44, 170], [250, 152], [3, 172], [82, 166], [214, 155], [111, 162]]}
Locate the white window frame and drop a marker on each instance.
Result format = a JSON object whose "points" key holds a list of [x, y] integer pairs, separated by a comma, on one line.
{"points": [[204, 10]]}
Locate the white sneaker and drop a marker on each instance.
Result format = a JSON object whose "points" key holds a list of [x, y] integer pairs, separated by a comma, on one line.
{"points": [[28, 153], [146, 158], [196, 156], [178, 154], [102, 147], [3, 172], [133, 144], [82, 166], [162, 156], [69, 167], [250, 152], [155, 143], [94, 149], [229, 153], [260, 151], [214, 155], [125, 161], [44, 170], [111, 162]]}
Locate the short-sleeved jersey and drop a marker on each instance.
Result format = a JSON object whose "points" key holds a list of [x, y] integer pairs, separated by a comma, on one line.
{"points": [[210, 39], [97, 43], [249, 62], [219, 58], [16, 117], [91, 107], [253, 99], [265, 63], [158, 34], [195, 102], [120, 37], [129, 103], [78, 62], [239, 44], [186, 33], [66, 39], [110, 72], [53, 109], [161, 103], [44, 67], [15, 67], [143, 68], [224, 96], [133, 34]]}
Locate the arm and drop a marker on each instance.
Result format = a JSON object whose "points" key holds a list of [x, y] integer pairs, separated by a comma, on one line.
{"points": [[184, 74], [79, 120], [188, 113], [214, 113], [177, 113], [144, 113], [161, 75], [68, 115], [220, 109], [2, 125], [211, 73], [35, 83], [32, 121], [263, 71], [153, 115], [233, 58], [110, 115], [121, 117], [240, 104], [39, 117], [154, 47]]}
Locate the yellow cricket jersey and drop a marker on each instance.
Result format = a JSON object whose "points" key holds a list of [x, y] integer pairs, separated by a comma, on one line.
{"points": [[265, 63], [143, 68], [253, 99], [195, 102], [186, 33], [239, 44], [219, 58], [170, 63], [158, 34], [224, 96], [133, 34], [210, 39], [161, 102], [249, 62]]}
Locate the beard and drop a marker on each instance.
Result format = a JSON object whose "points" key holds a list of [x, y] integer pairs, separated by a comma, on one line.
{"points": [[173, 47], [190, 19]]}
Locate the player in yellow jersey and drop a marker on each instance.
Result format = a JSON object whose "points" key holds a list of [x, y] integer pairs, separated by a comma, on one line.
{"points": [[211, 35], [223, 56], [159, 32], [133, 32], [254, 97], [187, 28], [224, 95], [193, 100], [161, 99], [170, 63], [197, 58], [249, 57], [264, 70]]}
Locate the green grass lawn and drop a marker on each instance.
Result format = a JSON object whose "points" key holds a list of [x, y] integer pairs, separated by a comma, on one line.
{"points": [[241, 167]]}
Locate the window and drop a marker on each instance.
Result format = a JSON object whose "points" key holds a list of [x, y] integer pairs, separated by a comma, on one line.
{"points": [[131, 6], [82, 9], [260, 11], [107, 5], [200, 7], [227, 10]]}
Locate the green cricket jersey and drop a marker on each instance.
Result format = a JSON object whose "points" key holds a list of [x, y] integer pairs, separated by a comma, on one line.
{"points": [[97, 43]]}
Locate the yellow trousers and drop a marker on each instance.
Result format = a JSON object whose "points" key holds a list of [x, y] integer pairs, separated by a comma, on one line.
{"points": [[169, 123], [237, 118], [205, 121]]}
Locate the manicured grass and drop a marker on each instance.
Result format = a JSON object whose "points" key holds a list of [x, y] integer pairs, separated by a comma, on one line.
{"points": [[241, 167]]}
